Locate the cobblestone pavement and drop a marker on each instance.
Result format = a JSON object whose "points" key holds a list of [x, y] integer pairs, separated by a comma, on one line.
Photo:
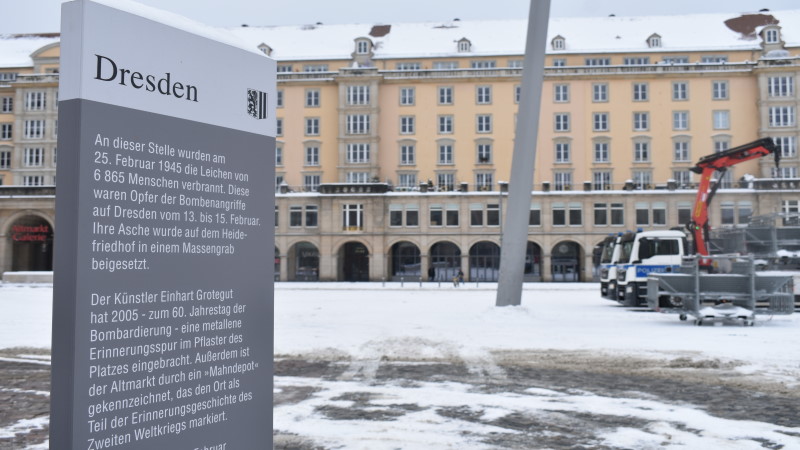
{"points": [[709, 385]]}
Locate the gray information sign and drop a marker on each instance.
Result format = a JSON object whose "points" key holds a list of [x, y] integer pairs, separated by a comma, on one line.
{"points": [[163, 307]]}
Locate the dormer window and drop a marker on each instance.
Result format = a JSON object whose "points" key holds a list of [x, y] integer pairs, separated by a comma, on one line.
{"points": [[654, 41], [772, 36], [559, 43], [363, 46], [464, 45], [266, 49]]}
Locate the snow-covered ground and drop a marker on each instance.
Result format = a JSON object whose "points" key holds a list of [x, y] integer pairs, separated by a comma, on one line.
{"points": [[364, 325]]}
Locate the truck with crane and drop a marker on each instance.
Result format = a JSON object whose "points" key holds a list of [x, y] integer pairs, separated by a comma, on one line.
{"points": [[720, 287]]}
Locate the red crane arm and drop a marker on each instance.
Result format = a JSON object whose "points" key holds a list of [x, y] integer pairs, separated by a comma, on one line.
{"points": [[705, 192]]}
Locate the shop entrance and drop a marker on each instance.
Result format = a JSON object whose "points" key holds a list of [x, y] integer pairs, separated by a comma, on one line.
{"points": [[354, 258], [31, 245]]}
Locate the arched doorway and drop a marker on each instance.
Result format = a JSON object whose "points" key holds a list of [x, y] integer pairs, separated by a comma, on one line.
{"points": [[484, 261], [405, 262], [354, 262], [533, 262], [444, 260], [304, 262], [31, 244], [565, 262]]}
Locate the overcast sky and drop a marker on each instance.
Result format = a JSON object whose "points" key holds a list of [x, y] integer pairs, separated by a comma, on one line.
{"points": [[32, 16]]}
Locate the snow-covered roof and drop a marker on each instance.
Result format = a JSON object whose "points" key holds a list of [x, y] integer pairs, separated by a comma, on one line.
{"points": [[678, 33], [15, 50]]}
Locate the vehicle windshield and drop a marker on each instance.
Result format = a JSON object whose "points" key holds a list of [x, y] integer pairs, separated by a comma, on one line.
{"points": [[625, 251], [608, 252]]}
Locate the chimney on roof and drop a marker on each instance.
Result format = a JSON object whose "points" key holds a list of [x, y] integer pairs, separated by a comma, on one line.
{"points": [[763, 10], [612, 15], [244, 25]]}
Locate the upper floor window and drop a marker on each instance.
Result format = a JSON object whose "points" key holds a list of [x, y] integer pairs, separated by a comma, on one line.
{"points": [[357, 124], [445, 65], [781, 116], [517, 93], [312, 98], [562, 181], [8, 76], [6, 131], [713, 59], [601, 180], [680, 120], [787, 146], [464, 45], [601, 152], [561, 92], [600, 121], [33, 129], [597, 61], [312, 126], [483, 64], [284, 68], [681, 152], [484, 123], [484, 181], [408, 155], [641, 151], [641, 121], [484, 152], [562, 152], [33, 180], [358, 95], [33, 157], [407, 96], [278, 155], [358, 153], [515, 63], [483, 95], [636, 60], [654, 41], [7, 105], [559, 62], [315, 68], [5, 159], [782, 86], [559, 43], [35, 101], [680, 90], [353, 216], [675, 60], [446, 181], [719, 90], [722, 120], [445, 95], [599, 92], [279, 98], [406, 124], [279, 126], [561, 121], [640, 92], [445, 153], [357, 177], [445, 124], [409, 66], [312, 156]]}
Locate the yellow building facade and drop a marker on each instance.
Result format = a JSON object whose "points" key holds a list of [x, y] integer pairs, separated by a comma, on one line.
{"points": [[394, 140]]}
